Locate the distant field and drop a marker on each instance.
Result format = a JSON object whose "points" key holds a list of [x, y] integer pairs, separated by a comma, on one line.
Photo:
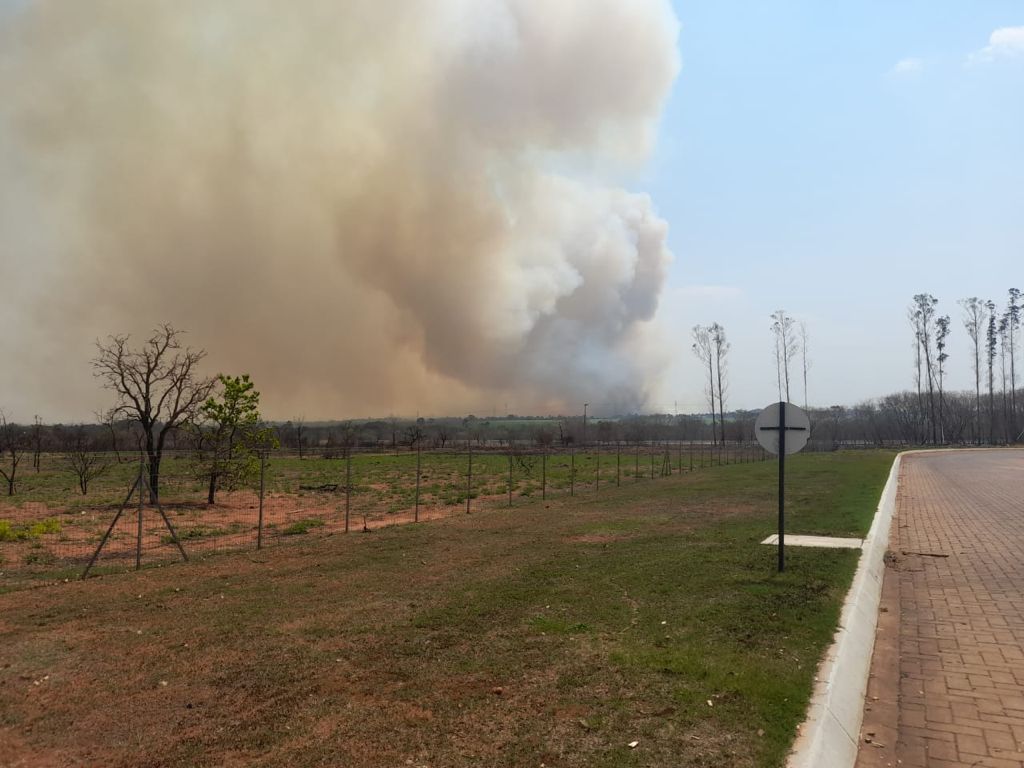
{"points": [[555, 633]]}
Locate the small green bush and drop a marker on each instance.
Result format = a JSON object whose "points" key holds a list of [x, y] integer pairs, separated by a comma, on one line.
{"points": [[14, 532], [303, 526]]}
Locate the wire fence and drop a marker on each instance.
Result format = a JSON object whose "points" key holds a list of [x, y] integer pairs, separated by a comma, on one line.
{"points": [[55, 527]]}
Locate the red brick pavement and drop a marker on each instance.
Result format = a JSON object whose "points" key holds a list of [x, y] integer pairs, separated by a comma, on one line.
{"points": [[958, 539]]}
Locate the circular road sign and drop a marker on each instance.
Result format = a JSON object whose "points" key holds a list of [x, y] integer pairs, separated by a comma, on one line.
{"points": [[767, 428]]}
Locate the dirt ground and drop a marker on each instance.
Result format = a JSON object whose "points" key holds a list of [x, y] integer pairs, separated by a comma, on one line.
{"points": [[230, 524]]}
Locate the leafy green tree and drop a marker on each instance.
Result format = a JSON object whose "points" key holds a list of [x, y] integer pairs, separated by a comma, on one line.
{"points": [[230, 435]]}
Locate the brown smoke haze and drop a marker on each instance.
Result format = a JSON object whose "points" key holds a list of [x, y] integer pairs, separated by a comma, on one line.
{"points": [[371, 206]]}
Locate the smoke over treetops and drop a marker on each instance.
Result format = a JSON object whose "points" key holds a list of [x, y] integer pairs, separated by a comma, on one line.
{"points": [[370, 205]]}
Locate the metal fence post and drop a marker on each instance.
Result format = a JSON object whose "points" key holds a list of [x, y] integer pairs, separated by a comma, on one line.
{"points": [[348, 485], [259, 523], [469, 475], [138, 540], [416, 513], [572, 470]]}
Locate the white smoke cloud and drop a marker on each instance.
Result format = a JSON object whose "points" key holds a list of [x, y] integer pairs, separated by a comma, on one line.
{"points": [[393, 205]]}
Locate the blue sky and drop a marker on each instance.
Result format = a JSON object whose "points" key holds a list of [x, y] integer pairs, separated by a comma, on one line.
{"points": [[802, 166]]}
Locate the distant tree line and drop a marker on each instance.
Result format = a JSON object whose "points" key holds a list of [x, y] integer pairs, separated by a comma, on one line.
{"points": [[938, 417]]}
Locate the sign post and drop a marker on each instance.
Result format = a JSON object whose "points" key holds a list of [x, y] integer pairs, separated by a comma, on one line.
{"points": [[782, 428]]}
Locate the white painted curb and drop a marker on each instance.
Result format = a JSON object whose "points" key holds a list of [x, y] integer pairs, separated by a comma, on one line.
{"points": [[830, 734]]}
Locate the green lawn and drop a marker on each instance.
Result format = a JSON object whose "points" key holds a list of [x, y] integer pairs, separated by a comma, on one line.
{"points": [[554, 633]]}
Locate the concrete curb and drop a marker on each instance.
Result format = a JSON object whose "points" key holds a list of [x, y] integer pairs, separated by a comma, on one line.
{"points": [[830, 734]]}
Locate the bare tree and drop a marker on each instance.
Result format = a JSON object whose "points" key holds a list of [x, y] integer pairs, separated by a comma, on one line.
{"points": [[109, 421], [300, 434], [924, 311], [803, 354], [12, 440], [1004, 343], [1013, 309], [721, 350], [786, 346], [991, 344], [413, 436], [941, 334], [974, 323], [441, 435], [85, 463], [157, 385], [915, 322], [37, 441], [703, 349]]}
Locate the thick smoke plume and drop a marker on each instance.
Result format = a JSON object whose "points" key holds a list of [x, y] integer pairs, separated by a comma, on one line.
{"points": [[370, 205]]}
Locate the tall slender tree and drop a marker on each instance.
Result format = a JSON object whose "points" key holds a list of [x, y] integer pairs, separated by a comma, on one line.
{"points": [[703, 349], [721, 349], [974, 323], [991, 345], [941, 334], [803, 354], [786, 346], [915, 321], [1004, 339], [924, 304], [1013, 309]]}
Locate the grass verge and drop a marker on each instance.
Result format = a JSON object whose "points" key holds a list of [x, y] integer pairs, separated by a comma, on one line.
{"points": [[554, 633]]}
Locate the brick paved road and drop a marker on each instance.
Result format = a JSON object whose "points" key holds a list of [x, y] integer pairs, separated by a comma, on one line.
{"points": [[959, 541]]}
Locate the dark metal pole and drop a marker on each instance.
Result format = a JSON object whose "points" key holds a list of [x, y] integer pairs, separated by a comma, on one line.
{"points": [[138, 535], [259, 522], [348, 485], [416, 513], [544, 475], [469, 474], [618, 464], [782, 487], [572, 471], [110, 530], [597, 478], [174, 533]]}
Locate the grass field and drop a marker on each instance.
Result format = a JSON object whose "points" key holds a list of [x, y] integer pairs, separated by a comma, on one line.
{"points": [[555, 633]]}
